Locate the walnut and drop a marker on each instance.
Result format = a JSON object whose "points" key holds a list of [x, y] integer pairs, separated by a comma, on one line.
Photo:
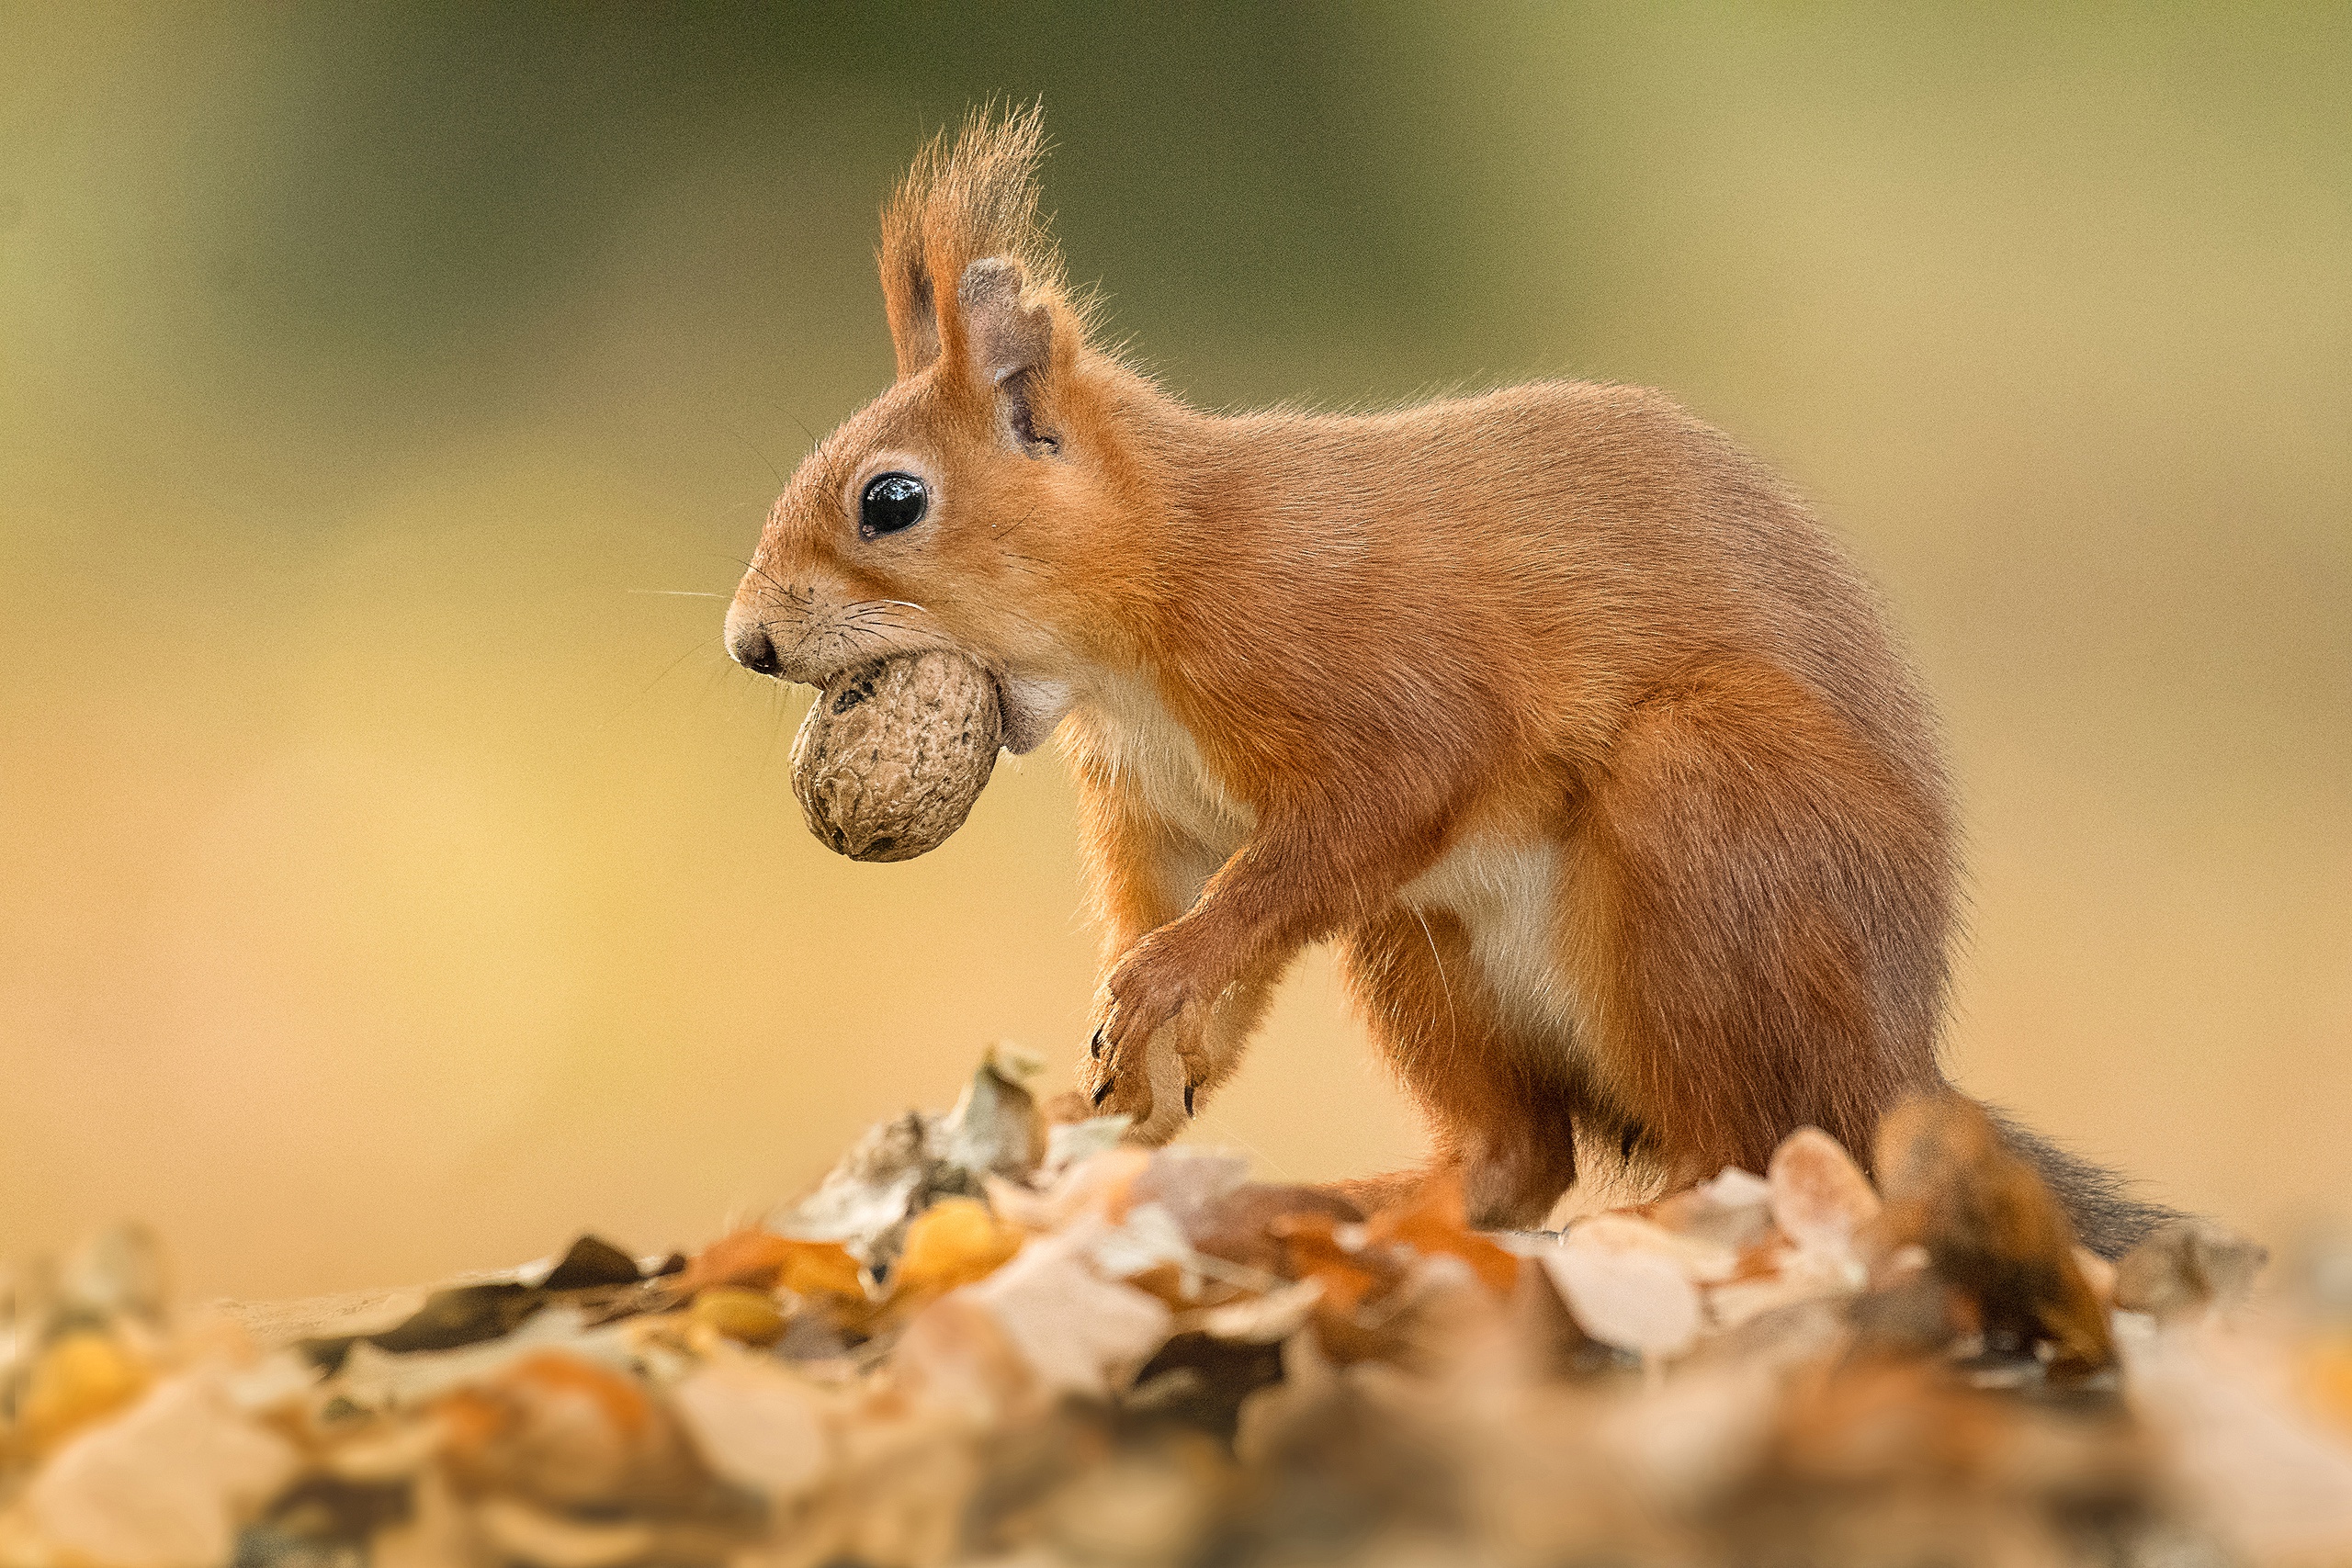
{"points": [[892, 755]]}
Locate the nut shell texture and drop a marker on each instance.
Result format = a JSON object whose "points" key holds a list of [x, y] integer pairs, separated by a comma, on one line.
{"points": [[892, 755]]}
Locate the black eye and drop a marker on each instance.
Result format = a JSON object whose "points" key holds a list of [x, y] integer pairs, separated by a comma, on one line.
{"points": [[891, 501]]}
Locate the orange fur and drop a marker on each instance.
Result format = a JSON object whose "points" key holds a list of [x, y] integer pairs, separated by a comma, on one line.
{"points": [[1559, 714]]}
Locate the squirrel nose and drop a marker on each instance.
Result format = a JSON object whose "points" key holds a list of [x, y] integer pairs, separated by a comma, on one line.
{"points": [[751, 647]]}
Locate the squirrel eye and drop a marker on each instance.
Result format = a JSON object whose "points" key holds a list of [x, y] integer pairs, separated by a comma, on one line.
{"points": [[891, 501]]}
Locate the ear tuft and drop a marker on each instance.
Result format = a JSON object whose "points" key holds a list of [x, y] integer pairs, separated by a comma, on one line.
{"points": [[976, 197]]}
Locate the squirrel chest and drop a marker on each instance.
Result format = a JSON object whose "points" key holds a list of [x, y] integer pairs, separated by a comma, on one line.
{"points": [[1504, 892]]}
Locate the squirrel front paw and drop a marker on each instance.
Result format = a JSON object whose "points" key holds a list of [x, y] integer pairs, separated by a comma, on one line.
{"points": [[1151, 1086], [1147, 1058]]}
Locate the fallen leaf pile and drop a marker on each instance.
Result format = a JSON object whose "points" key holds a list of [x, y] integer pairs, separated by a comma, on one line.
{"points": [[984, 1340]]}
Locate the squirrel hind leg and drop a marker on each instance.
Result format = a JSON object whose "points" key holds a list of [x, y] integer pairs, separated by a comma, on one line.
{"points": [[1501, 1120], [1762, 923]]}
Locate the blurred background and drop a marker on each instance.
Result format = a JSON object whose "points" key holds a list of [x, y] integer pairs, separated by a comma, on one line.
{"points": [[395, 878]]}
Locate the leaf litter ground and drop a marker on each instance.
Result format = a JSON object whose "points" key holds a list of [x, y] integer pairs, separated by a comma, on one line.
{"points": [[983, 1339]]}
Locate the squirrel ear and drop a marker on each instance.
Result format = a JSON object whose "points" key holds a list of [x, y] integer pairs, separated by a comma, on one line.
{"points": [[1011, 344]]}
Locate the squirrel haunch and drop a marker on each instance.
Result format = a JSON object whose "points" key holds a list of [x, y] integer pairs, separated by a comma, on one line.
{"points": [[1557, 713]]}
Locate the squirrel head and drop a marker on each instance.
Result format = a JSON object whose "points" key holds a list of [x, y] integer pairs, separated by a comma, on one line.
{"points": [[963, 508]]}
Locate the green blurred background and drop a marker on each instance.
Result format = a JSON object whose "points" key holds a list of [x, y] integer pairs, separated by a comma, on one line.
{"points": [[397, 877]]}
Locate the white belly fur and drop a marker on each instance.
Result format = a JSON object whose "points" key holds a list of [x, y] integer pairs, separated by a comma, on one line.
{"points": [[1507, 896], [1158, 758], [1505, 893], [1151, 752]]}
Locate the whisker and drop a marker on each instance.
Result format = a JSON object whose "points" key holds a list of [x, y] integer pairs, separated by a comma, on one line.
{"points": [[746, 440]]}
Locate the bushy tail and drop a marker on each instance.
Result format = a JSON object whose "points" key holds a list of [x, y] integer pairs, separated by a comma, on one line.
{"points": [[2108, 1218]]}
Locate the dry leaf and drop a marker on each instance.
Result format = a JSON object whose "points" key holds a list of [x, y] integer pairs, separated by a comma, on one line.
{"points": [[2188, 1267], [81, 1378], [1097, 1185], [560, 1429], [1075, 1143], [437, 1533], [1734, 1209], [1434, 1225], [1189, 1182], [1150, 1241], [1820, 1198], [519, 1532], [757, 1425], [1083, 1334], [167, 1484], [2279, 1484], [748, 1317], [956, 1356], [1639, 1301], [954, 1242], [1316, 1247], [378, 1379], [761, 1260], [1260, 1320], [995, 1128], [1701, 1260]]}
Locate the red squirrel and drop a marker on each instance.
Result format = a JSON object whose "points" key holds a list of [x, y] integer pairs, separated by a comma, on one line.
{"points": [[1559, 715]]}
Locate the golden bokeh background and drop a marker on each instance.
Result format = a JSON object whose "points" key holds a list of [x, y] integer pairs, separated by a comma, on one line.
{"points": [[395, 878]]}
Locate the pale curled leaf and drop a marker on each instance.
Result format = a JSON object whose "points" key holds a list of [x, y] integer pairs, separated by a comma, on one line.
{"points": [[995, 1128], [1146, 1239], [757, 1425], [1083, 1334], [519, 1532], [1820, 1197], [1074, 1143], [167, 1484], [2185, 1267], [1186, 1182], [1260, 1320], [1097, 1186], [1734, 1209], [1701, 1260], [1638, 1300]]}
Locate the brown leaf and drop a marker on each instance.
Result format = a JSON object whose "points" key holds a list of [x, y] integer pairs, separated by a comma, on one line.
{"points": [[1244, 1226], [1991, 1230], [761, 1260], [1434, 1224], [556, 1428], [590, 1261]]}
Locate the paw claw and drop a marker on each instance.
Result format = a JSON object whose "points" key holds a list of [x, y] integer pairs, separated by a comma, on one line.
{"points": [[1188, 1099], [1094, 1046], [1102, 1091]]}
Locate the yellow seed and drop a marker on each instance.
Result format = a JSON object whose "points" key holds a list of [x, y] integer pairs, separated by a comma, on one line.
{"points": [[750, 1317], [85, 1376]]}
